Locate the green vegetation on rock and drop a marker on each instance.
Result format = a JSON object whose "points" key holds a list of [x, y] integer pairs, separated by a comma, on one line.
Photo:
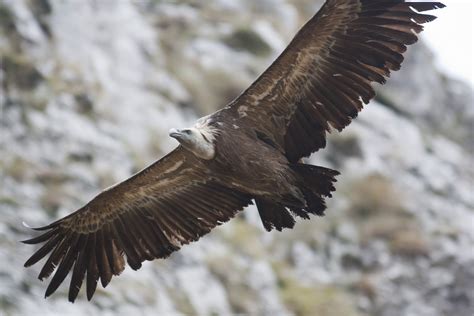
{"points": [[325, 300], [248, 40]]}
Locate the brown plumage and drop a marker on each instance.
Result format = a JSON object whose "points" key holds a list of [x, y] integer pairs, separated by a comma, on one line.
{"points": [[247, 151]]}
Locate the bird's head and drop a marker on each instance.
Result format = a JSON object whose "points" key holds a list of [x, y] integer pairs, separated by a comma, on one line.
{"points": [[195, 140], [185, 135]]}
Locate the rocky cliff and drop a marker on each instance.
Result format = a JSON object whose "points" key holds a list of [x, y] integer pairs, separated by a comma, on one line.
{"points": [[88, 92]]}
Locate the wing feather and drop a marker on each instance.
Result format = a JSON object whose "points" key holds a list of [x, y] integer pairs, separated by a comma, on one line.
{"points": [[80, 267], [323, 78], [66, 264], [44, 250], [55, 256], [145, 217], [103, 266], [93, 268]]}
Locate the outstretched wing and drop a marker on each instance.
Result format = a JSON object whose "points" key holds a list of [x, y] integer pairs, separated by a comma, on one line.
{"points": [[169, 204], [324, 76]]}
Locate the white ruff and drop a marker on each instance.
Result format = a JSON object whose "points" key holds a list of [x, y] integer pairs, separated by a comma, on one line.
{"points": [[201, 141], [202, 125]]}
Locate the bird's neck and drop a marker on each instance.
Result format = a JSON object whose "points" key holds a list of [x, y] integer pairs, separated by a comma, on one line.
{"points": [[203, 145]]}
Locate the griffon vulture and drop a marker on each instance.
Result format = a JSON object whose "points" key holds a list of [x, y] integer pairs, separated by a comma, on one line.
{"points": [[248, 151]]}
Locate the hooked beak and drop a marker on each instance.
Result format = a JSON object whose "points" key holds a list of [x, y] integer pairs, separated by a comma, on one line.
{"points": [[175, 133]]}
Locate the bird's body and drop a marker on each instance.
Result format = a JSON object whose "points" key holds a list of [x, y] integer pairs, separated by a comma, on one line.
{"points": [[251, 150], [235, 163]]}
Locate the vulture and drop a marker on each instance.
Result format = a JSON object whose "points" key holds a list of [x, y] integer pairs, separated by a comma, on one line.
{"points": [[249, 151]]}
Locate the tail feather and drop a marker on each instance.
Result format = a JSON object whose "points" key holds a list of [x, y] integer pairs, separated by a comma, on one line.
{"points": [[316, 203], [274, 215], [315, 183], [317, 179]]}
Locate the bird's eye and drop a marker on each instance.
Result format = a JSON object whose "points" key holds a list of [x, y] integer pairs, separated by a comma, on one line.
{"points": [[187, 131]]}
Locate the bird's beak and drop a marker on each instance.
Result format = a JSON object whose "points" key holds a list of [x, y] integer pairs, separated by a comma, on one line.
{"points": [[175, 133]]}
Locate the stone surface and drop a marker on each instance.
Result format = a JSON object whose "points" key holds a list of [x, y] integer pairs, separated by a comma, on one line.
{"points": [[89, 90]]}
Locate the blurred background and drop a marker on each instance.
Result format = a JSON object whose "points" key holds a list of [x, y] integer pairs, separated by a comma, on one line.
{"points": [[89, 90]]}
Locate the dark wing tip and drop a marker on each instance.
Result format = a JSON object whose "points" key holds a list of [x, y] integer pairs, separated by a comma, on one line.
{"points": [[41, 238], [438, 5], [78, 254], [335, 174], [31, 241], [52, 239], [50, 226], [426, 6]]}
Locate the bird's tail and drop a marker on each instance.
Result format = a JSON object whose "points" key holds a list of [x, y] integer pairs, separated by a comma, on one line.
{"points": [[316, 183]]}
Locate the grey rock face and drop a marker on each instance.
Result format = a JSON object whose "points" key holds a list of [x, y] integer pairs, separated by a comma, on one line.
{"points": [[89, 90]]}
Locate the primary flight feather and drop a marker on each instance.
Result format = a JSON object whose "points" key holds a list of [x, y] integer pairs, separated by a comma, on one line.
{"points": [[249, 150]]}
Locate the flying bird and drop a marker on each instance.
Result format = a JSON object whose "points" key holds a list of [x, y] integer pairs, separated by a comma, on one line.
{"points": [[250, 150]]}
